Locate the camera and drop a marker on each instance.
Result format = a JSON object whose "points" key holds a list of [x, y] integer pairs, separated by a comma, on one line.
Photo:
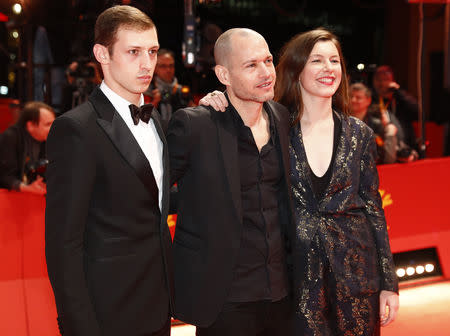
{"points": [[83, 69], [33, 169], [165, 96], [83, 83]]}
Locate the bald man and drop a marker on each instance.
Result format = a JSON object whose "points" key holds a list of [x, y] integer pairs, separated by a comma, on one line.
{"points": [[230, 244]]}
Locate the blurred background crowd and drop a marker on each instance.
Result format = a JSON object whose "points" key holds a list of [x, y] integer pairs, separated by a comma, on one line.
{"points": [[47, 67]]}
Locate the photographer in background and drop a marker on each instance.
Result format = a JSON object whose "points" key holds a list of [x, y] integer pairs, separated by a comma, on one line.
{"points": [[389, 97], [22, 149], [165, 93], [389, 134], [83, 75]]}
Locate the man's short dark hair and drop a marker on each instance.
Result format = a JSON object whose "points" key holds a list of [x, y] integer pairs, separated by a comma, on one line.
{"points": [[384, 69], [113, 18], [31, 112], [163, 51]]}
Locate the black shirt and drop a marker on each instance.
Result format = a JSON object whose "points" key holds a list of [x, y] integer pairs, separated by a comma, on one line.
{"points": [[319, 184], [260, 268]]}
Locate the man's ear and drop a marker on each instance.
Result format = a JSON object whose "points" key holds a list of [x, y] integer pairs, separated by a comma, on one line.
{"points": [[29, 126], [101, 53], [222, 74]]}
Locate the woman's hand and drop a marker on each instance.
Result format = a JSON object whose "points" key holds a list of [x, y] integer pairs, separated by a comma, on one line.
{"points": [[388, 299]]}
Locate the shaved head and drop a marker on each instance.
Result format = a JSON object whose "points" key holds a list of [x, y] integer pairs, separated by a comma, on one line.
{"points": [[224, 44], [244, 65]]}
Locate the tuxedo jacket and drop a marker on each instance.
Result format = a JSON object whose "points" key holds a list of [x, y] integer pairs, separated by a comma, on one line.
{"points": [[348, 218], [108, 247], [203, 150]]}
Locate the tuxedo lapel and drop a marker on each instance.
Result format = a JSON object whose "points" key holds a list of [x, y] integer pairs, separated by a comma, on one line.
{"points": [[227, 137], [123, 140]]}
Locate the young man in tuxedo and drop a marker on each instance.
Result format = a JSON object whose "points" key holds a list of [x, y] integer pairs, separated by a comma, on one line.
{"points": [[108, 246], [232, 170]]}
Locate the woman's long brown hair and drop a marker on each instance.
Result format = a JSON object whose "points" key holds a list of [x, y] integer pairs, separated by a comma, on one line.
{"points": [[293, 58]]}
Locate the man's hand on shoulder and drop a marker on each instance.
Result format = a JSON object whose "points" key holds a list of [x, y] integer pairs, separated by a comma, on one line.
{"points": [[216, 100]]}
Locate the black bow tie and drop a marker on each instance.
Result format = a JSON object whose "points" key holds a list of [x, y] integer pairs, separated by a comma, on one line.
{"points": [[144, 113]]}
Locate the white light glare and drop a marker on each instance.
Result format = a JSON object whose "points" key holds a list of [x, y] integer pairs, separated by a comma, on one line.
{"points": [[3, 90], [360, 67], [401, 272], [190, 58], [410, 270], [420, 269], [17, 8], [15, 34], [429, 268]]}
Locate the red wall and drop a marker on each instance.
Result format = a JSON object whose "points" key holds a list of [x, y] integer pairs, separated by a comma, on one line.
{"points": [[415, 197]]}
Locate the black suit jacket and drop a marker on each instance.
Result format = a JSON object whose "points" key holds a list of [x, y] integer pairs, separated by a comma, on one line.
{"points": [[203, 149], [108, 246], [13, 148]]}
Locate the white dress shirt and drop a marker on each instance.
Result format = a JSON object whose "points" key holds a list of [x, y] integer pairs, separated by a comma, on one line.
{"points": [[145, 134]]}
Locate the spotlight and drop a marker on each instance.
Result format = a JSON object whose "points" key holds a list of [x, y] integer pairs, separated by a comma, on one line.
{"points": [[429, 268], [190, 58], [17, 8], [3, 90], [410, 271], [401, 272], [420, 269], [417, 264], [15, 34], [360, 67]]}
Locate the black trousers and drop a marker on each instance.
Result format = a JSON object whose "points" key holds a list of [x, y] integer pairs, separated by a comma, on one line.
{"points": [[260, 318], [164, 331]]}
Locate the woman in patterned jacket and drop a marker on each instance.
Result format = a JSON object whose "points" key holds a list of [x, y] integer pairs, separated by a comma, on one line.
{"points": [[344, 276]]}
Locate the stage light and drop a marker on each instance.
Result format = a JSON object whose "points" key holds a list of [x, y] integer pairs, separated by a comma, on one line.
{"points": [[420, 269], [429, 268], [17, 8], [417, 265], [410, 271], [3, 90], [15, 34], [190, 58], [401, 272], [360, 67]]}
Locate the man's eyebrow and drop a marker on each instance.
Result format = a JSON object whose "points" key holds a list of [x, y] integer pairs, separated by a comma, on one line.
{"points": [[253, 60]]}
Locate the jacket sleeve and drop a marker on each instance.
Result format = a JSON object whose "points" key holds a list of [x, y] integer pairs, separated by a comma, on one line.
{"points": [[368, 190], [9, 164], [179, 143], [70, 178]]}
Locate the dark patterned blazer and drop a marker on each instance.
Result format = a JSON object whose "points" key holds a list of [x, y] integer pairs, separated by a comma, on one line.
{"points": [[349, 218]]}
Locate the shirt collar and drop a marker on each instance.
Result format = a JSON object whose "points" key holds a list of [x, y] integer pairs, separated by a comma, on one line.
{"points": [[120, 104], [239, 123]]}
